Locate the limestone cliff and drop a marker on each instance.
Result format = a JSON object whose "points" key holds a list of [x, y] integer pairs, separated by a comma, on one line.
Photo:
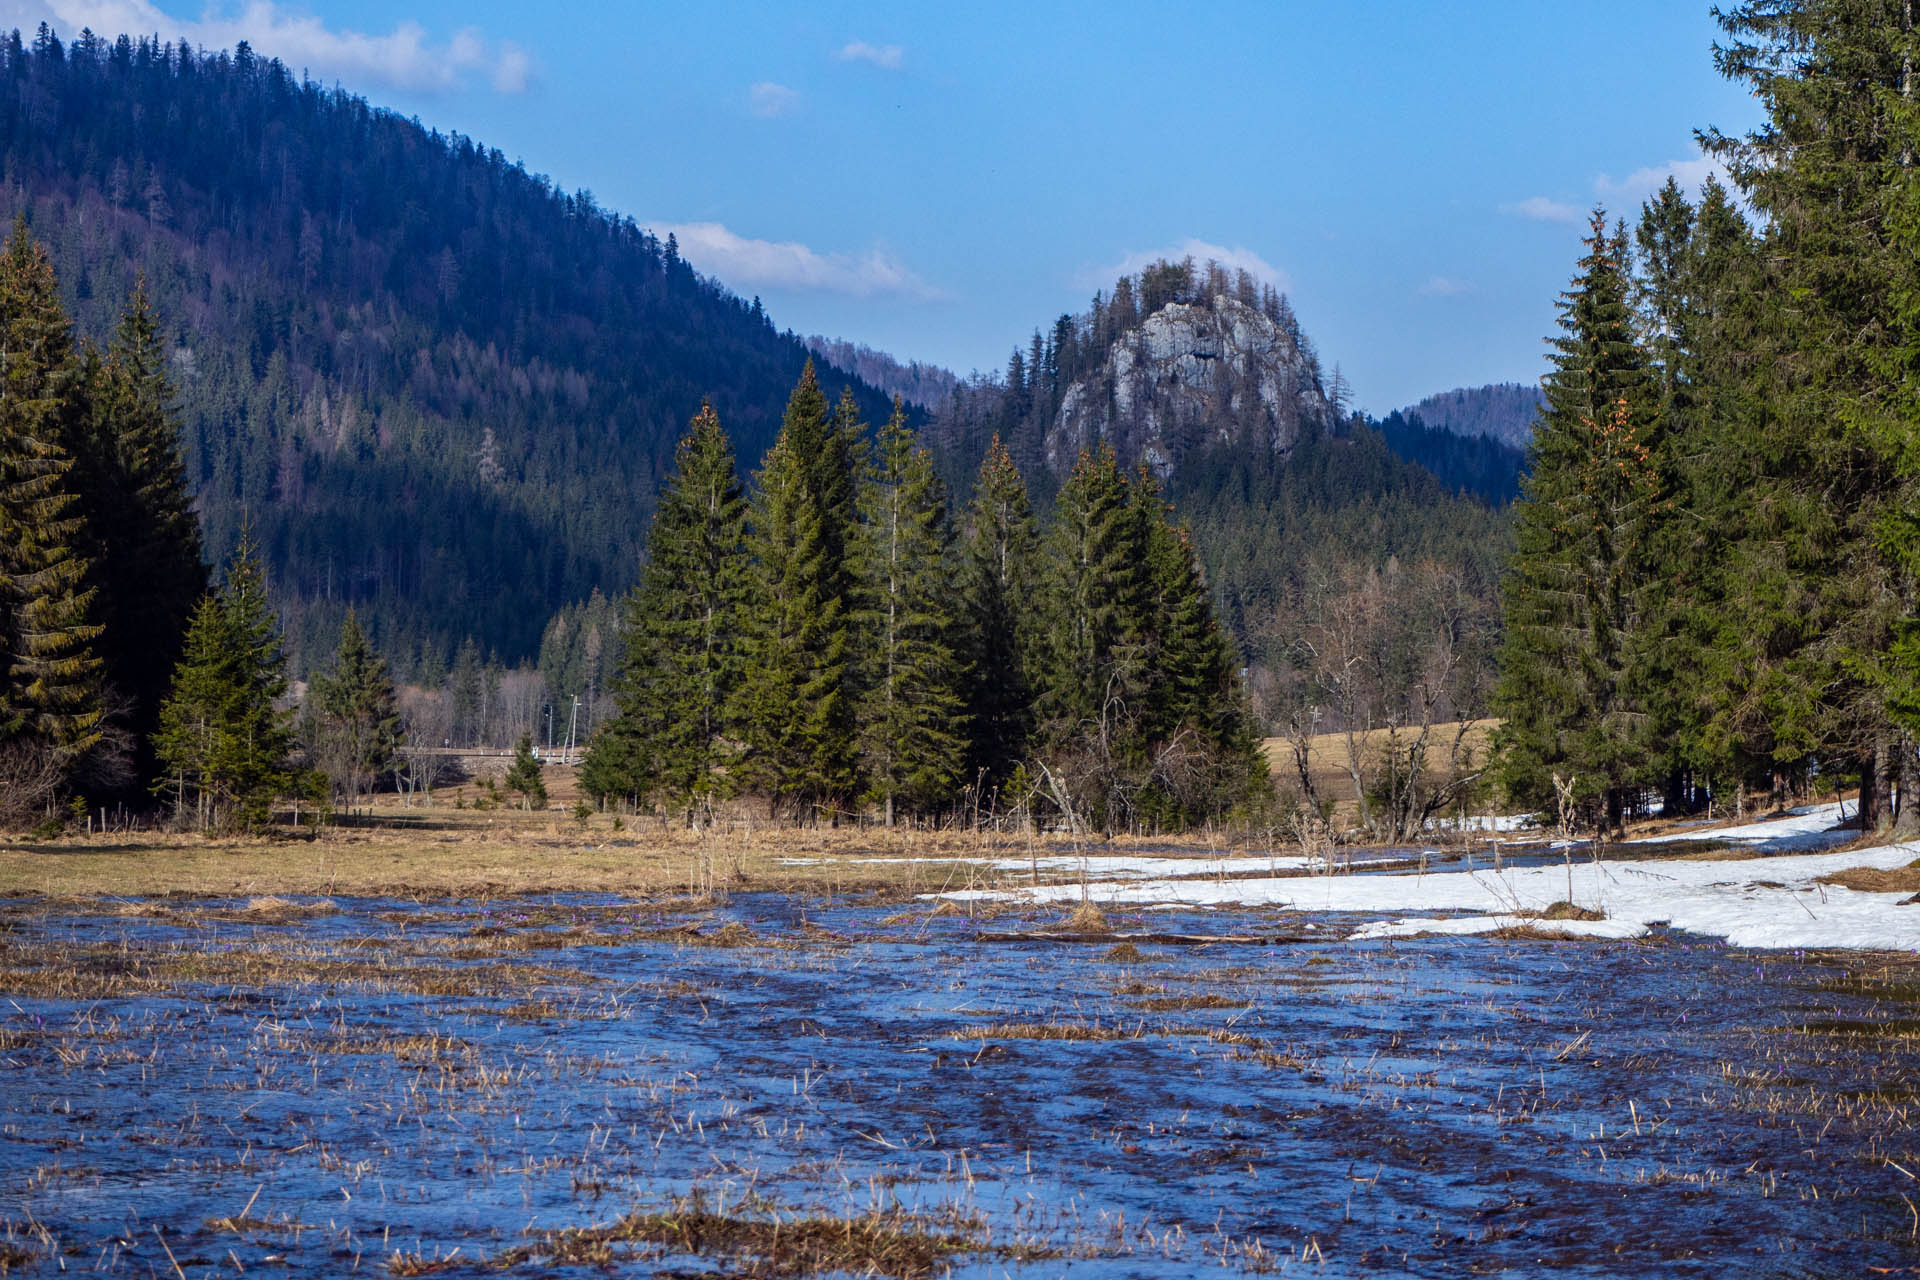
{"points": [[1191, 375]]}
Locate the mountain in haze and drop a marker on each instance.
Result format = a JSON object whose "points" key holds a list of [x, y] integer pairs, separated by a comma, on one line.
{"points": [[442, 391], [1503, 411], [922, 385]]}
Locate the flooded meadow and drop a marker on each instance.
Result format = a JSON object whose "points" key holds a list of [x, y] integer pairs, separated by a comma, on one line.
{"points": [[772, 1086]]}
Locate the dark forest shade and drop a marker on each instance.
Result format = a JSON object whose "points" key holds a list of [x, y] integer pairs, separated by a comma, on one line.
{"points": [[444, 391]]}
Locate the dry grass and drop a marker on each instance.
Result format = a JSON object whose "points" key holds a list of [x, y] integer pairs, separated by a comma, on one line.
{"points": [[1562, 910], [96, 972], [436, 850], [1327, 756], [1050, 1031], [1873, 880], [1171, 1004], [762, 1242], [1537, 933], [1087, 918]]}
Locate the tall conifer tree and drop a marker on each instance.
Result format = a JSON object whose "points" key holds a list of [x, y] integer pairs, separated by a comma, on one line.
{"points": [[1095, 670], [1703, 297], [49, 674], [1206, 757], [356, 713], [1581, 591], [999, 568], [795, 704], [674, 736], [225, 741], [143, 535], [1834, 548], [912, 738]]}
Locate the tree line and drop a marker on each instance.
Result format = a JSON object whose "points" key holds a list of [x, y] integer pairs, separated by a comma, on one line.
{"points": [[1716, 586], [835, 641], [100, 560], [124, 675]]}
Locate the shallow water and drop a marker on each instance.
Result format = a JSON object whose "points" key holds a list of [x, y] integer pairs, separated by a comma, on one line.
{"points": [[411, 1080]]}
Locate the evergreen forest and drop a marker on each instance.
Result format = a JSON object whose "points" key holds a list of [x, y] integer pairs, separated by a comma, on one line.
{"points": [[448, 484], [1716, 583], [839, 640], [443, 392]]}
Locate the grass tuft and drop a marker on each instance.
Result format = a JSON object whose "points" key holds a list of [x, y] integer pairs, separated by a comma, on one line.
{"points": [[762, 1243], [1087, 918]]}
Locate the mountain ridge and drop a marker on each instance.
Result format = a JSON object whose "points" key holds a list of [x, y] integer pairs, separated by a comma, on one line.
{"points": [[443, 391], [1502, 411]]}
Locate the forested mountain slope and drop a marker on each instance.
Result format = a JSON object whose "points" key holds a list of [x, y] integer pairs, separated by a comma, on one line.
{"points": [[1504, 411], [1307, 521], [1482, 465], [442, 390]]}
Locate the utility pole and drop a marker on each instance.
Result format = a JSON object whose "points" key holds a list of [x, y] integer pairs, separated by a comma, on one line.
{"points": [[572, 721]]}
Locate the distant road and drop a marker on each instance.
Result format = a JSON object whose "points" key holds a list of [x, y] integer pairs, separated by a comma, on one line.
{"points": [[494, 753]]}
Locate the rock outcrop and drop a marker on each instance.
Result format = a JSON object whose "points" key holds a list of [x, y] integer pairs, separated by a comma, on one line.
{"points": [[1188, 376]]}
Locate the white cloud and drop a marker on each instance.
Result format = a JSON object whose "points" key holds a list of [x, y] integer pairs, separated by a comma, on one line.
{"points": [[404, 58], [1623, 196], [768, 99], [741, 263], [880, 55], [1636, 187], [1445, 287], [1234, 258], [1541, 209]]}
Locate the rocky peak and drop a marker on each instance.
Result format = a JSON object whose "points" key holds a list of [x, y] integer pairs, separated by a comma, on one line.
{"points": [[1191, 374]]}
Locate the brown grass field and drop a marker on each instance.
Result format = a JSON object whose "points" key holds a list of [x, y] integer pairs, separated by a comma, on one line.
{"points": [[1327, 756], [447, 848]]}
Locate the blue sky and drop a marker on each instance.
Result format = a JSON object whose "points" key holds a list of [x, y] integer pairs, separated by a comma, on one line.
{"points": [[937, 181]]}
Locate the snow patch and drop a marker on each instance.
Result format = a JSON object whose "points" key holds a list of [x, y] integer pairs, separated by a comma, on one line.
{"points": [[1809, 827], [1764, 901], [1105, 866]]}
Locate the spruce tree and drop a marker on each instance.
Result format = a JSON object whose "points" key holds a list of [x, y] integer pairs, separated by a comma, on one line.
{"points": [[1581, 589], [254, 760], [792, 705], [1206, 755], [524, 775], [145, 538], [795, 705], [49, 673], [356, 713], [466, 695], [1095, 670], [1712, 645], [1835, 550], [911, 718], [225, 740], [999, 564], [193, 716], [673, 735]]}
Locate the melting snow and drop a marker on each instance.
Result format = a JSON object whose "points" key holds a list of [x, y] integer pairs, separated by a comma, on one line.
{"points": [[1109, 866], [1763, 901]]}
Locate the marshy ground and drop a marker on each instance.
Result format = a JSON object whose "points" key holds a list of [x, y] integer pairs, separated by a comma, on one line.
{"points": [[794, 1084]]}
